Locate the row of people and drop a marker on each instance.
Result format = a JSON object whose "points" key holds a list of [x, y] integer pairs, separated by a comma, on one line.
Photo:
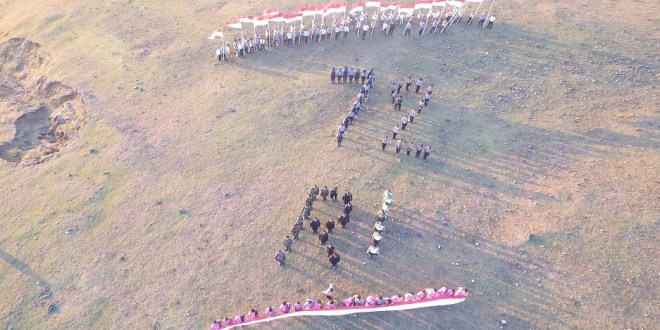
{"points": [[352, 301], [352, 75], [409, 119], [382, 215], [342, 27], [356, 107]]}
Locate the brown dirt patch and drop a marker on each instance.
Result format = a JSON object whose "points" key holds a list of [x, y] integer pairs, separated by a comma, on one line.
{"points": [[37, 116]]}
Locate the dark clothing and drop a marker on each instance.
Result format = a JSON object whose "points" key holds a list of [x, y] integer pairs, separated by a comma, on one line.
{"points": [[347, 198], [329, 249], [343, 220], [333, 74], [348, 208], [330, 225], [323, 237], [334, 259], [333, 194], [324, 193], [315, 224]]}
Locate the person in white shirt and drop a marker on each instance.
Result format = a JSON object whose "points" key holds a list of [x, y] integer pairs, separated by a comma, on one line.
{"points": [[491, 20]]}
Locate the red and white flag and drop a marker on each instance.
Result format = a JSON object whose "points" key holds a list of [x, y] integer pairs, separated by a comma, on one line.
{"points": [[271, 11], [260, 20], [292, 17], [439, 3], [311, 10], [335, 8], [423, 4], [276, 18], [456, 3], [358, 6], [474, 0], [247, 19], [235, 24], [388, 6], [407, 8], [216, 34], [372, 4]]}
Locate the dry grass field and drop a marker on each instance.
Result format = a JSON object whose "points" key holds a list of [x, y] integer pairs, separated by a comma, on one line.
{"points": [[178, 176]]}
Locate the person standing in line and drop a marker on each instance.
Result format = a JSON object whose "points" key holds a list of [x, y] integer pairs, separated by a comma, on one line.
{"points": [[329, 249], [411, 118], [373, 251], [315, 224], [295, 231], [340, 138], [287, 243], [333, 74], [482, 19], [408, 83], [395, 131], [491, 20], [418, 85], [420, 106], [323, 237], [334, 260], [406, 31], [422, 24], [399, 145], [404, 123], [469, 22], [330, 225], [348, 208], [345, 74], [427, 151], [347, 198], [419, 150], [399, 85], [398, 102], [333, 194], [384, 142], [280, 257], [411, 146], [324, 193]]}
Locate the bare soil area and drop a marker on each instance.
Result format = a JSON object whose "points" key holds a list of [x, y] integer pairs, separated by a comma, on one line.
{"points": [[542, 194], [38, 116]]}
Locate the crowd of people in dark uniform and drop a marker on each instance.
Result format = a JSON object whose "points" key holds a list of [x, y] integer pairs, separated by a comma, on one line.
{"points": [[315, 224], [409, 117], [367, 81]]}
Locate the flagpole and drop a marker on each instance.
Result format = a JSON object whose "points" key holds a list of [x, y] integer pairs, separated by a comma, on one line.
{"points": [[476, 12], [427, 20], [492, 2]]}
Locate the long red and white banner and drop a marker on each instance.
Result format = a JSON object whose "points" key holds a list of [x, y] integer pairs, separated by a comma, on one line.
{"points": [[338, 311]]}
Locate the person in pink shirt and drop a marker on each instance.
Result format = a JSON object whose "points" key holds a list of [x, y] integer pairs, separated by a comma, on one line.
{"points": [[285, 308], [226, 322], [319, 304], [396, 299], [331, 304], [449, 292], [371, 301], [430, 292], [309, 304], [270, 312], [442, 291], [350, 301], [253, 314], [216, 325], [238, 319], [461, 292], [409, 297], [359, 301], [297, 307]]}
